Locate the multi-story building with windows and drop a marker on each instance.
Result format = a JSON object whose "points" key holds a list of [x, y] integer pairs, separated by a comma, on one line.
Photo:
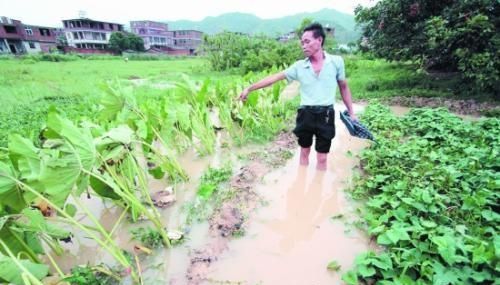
{"points": [[154, 34], [157, 38], [19, 38], [89, 36], [187, 39]]}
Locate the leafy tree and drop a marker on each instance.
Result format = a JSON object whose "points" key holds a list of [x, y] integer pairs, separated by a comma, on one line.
{"points": [[329, 43], [305, 22], [229, 50], [118, 42], [446, 35], [121, 41], [135, 42]]}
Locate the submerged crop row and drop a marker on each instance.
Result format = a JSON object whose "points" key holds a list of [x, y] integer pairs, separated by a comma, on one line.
{"points": [[431, 186], [133, 139]]}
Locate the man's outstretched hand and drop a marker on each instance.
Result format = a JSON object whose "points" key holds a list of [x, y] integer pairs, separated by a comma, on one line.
{"points": [[244, 94]]}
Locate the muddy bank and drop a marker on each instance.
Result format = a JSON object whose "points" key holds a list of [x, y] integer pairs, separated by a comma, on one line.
{"points": [[461, 107]]}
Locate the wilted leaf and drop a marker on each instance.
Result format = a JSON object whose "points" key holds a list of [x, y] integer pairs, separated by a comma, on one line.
{"points": [[333, 265]]}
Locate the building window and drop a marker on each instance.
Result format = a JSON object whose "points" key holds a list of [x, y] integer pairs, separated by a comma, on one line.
{"points": [[45, 32], [75, 35], [32, 45], [111, 26], [28, 31], [10, 29]]}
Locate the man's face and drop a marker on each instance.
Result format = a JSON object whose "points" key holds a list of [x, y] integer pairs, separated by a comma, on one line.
{"points": [[310, 45]]}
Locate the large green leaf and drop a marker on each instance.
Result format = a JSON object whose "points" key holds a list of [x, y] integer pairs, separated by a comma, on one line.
{"points": [[103, 189], [59, 174], [62, 169], [15, 240], [350, 278], [392, 236], [121, 135], [80, 139], [6, 183], [10, 195], [446, 247], [34, 221], [25, 156], [443, 275], [11, 273], [112, 103], [253, 99]]}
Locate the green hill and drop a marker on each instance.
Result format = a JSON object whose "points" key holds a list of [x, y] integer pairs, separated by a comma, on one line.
{"points": [[250, 24]]}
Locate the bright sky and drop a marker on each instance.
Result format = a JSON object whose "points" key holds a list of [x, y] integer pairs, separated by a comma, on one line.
{"points": [[51, 12]]}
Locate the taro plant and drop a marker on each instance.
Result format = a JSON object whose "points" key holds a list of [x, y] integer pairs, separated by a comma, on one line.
{"points": [[119, 105], [48, 175]]}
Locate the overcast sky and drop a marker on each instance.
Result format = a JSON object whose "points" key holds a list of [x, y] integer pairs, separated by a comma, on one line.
{"points": [[51, 12]]}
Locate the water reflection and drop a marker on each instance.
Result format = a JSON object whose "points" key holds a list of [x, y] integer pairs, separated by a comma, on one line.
{"points": [[308, 204]]}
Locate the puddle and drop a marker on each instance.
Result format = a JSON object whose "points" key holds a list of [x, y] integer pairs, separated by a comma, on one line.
{"points": [[171, 263], [399, 110]]}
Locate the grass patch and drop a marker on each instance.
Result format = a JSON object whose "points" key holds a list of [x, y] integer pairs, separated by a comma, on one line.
{"points": [[377, 78]]}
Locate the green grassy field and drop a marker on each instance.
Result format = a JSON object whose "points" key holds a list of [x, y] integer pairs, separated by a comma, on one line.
{"points": [[23, 81], [29, 87]]}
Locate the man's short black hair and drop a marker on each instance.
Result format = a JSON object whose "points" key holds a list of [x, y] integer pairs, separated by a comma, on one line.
{"points": [[317, 30]]}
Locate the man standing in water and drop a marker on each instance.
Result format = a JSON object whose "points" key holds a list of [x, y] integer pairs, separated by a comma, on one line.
{"points": [[318, 74]]}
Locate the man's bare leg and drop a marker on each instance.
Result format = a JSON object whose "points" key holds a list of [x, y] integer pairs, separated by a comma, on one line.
{"points": [[321, 157], [304, 155]]}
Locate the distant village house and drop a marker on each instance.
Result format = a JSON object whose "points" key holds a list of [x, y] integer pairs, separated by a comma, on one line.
{"points": [[19, 38], [158, 39], [85, 35]]}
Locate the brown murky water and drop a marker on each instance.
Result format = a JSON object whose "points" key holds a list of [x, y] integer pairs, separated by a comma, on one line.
{"points": [[292, 240]]}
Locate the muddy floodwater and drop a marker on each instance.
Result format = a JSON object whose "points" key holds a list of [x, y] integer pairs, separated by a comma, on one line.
{"points": [[293, 238]]}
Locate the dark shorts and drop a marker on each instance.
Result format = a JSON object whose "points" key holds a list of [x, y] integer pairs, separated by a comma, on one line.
{"points": [[318, 121]]}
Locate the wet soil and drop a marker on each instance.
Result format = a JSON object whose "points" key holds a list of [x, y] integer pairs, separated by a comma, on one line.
{"points": [[460, 107], [231, 218]]}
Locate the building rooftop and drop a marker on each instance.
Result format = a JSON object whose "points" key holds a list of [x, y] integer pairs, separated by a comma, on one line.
{"points": [[88, 19]]}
